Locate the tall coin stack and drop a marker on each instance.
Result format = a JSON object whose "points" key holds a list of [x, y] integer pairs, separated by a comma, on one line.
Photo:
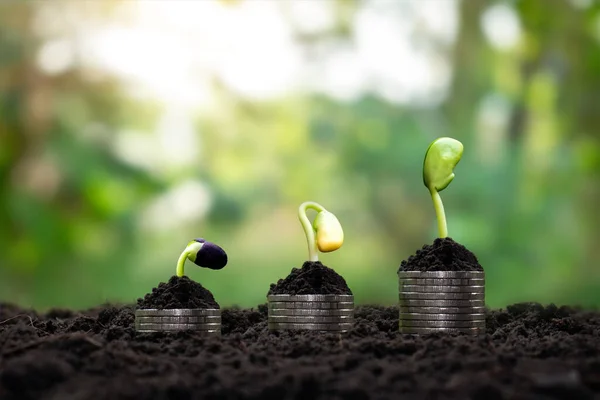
{"points": [[315, 312], [207, 322], [445, 301]]}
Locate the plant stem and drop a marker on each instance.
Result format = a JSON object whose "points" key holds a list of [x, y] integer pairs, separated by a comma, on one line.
{"points": [[191, 248], [439, 211], [313, 253], [179, 271]]}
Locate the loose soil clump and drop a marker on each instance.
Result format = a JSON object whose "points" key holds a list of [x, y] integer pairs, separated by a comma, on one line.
{"points": [[312, 278], [443, 255], [178, 293], [529, 351]]}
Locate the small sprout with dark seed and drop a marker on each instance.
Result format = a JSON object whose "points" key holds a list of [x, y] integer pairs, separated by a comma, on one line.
{"points": [[202, 253]]}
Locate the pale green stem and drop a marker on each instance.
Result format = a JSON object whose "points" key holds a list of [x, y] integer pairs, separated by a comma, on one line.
{"points": [[313, 252], [190, 249], [441, 215], [179, 272]]}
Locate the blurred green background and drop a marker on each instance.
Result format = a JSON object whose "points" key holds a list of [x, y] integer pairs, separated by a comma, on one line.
{"points": [[129, 128]]}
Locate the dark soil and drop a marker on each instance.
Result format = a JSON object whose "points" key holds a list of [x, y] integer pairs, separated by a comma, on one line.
{"points": [[312, 278], [443, 255], [178, 293], [529, 352]]}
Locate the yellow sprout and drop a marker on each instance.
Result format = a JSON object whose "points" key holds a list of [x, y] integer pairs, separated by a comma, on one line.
{"points": [[330, 235]]}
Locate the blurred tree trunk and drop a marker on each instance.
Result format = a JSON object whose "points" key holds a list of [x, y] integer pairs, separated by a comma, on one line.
{"points": [[471, 69]]}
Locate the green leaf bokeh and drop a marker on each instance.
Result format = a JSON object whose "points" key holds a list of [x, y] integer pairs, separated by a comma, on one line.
{"points": [[89, 215]]}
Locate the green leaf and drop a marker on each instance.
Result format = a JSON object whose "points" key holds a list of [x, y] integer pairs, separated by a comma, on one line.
{"points": [[440, 159]]}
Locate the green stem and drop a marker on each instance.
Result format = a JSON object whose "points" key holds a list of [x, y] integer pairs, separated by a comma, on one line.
{"points": [[439, 211], [179, 271], [191, 248], [313, 253]]}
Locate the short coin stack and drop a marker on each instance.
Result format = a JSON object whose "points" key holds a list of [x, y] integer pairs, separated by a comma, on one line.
{"points": [[445, 301], [205, 321], [315, 312]]}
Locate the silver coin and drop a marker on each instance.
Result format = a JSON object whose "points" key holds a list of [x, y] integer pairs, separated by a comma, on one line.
{"points": [[311, 297], [442, 310], [443, 274], [180, 320], [319, 305], [177, 327], [310, 319], [441, 303], [423, 331], [416, 323], [311, 312], [441, 317], [441, 289], [213, 332], [443, 282], [310, 327], [441, 296], [177, 312]]}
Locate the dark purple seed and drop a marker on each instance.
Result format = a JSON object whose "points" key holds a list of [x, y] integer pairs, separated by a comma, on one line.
{"points": [[210, 256]]}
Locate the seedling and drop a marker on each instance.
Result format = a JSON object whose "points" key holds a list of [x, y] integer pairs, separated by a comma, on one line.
{"points": [[440, 159], [202, 253], [329, 233]]}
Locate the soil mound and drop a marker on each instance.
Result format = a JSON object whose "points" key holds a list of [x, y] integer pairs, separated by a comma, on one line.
{"points": [[443, 255], [178, 293], [312, 278]]}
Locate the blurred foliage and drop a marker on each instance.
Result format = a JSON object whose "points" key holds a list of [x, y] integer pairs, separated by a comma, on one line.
{"points": [[74, 220]]}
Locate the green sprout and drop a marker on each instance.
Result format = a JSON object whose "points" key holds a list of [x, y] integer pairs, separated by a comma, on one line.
{"points": [[328, 229], [440, 159], [202, 253]]}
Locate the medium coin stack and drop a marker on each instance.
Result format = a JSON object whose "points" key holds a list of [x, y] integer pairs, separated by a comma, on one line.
{"points": [[315, 312], [442, 301], [205, 321]]}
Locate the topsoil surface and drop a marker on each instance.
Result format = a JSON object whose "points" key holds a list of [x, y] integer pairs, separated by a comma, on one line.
{"points": [[312, 278], [178, 293], [529, 352], [443, 255]]}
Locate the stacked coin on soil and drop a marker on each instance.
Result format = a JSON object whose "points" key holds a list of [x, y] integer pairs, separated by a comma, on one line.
{"points": [[202, 320], [448, 301], [315, 312]]}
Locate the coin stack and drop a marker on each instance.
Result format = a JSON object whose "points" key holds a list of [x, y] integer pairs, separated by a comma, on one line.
{"points": [[204, 321], [315, 312], [445, 301]]}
